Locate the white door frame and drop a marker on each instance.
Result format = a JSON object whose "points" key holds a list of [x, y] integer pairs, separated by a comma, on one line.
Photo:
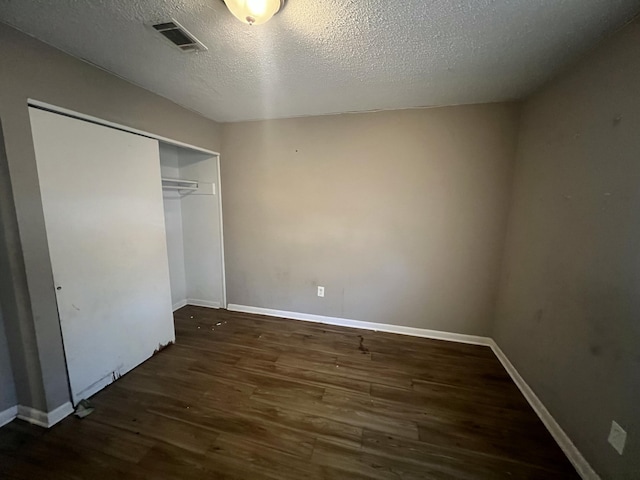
{"points": [[81, 116]]}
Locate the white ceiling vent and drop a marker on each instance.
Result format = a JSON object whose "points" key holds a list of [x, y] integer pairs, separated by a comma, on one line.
{"points": [[179, 36]]}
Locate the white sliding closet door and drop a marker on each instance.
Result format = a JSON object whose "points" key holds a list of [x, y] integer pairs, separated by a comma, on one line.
{"points": [[105, 227]]}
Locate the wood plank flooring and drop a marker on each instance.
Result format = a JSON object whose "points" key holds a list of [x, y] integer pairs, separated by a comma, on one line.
{"points": [[250, 397]]}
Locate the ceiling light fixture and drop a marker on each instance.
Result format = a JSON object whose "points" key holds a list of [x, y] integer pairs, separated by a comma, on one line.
{"points": [[254, 12]]}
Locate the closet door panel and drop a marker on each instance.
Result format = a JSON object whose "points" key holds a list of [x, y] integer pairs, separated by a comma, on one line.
{"points": [[103, 210]]}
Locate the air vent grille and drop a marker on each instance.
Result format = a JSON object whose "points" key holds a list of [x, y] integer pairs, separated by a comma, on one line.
{"points": [[179, 36]]}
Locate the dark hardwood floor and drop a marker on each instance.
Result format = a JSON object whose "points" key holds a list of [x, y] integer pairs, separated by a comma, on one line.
{"points": [[250, 397]]}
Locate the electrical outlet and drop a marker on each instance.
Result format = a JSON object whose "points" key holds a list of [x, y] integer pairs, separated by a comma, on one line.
{"points": [[321, 291], [617, 437]]}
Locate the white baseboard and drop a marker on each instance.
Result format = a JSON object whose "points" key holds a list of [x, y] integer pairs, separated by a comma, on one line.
{"points": [[581, 465], [60, 413], [33, 416], [379, 327], [44, 419], [8, 415], [179, 305], [196, 303], [202, 303]]}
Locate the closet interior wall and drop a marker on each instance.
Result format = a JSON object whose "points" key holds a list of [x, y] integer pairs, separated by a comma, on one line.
{"points": [[192, 219]]}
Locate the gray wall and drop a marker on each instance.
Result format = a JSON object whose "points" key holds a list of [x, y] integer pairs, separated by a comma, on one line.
{"points": [[31, 69], [569, 309], [7, 388], [399, 215]]}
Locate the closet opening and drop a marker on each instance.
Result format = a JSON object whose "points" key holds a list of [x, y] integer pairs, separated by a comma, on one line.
{"points": [[193, 221]]}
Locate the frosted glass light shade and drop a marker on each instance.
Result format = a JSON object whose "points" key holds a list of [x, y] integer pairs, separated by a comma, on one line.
{"points": [[254, 12]]}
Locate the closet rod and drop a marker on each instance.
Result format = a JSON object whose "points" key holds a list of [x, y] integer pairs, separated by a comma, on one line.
{"points": [[178, 184]]}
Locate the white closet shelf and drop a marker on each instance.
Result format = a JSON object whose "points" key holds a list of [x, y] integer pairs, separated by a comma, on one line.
{"points": [[179, 184]]}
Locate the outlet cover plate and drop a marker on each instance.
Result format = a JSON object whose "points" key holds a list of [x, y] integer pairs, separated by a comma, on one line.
{"points": [[321, 291], [617, 437]]}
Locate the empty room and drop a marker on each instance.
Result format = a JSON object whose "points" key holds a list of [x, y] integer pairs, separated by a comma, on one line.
{"points": [[319, 240]]}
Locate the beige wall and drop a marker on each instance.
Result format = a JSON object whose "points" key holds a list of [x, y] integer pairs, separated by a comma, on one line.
{"points": [[399, 215], [31, 69], [569, 310]]}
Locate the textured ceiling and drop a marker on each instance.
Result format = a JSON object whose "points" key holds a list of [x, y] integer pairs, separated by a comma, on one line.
{"points": [[328, 56]]}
